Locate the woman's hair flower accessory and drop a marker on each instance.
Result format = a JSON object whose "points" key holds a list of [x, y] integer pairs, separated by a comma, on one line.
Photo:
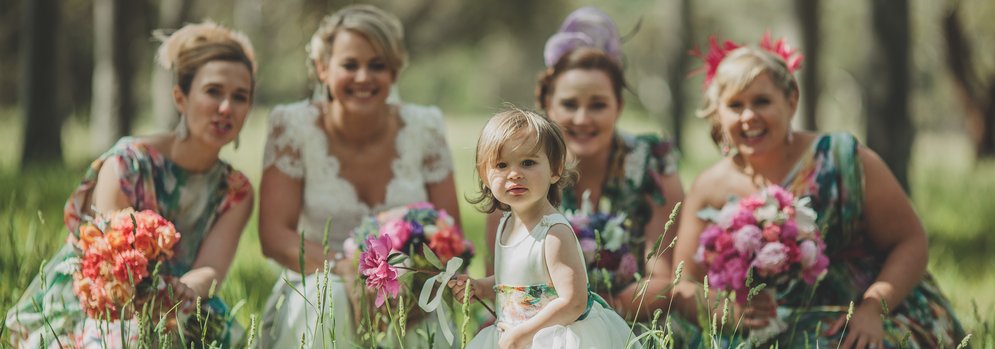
{"points": [[717, 53], [585, 27]]}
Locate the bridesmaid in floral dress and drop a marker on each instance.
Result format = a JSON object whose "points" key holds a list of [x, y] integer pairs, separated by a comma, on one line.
{"points": [[875, 242], [179, 176]]}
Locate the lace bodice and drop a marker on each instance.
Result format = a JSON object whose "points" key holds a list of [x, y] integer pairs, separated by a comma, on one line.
{"points": [[298, 147]]}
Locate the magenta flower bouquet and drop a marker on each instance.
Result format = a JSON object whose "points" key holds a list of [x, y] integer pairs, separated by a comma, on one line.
{"points": [[771, 232]]}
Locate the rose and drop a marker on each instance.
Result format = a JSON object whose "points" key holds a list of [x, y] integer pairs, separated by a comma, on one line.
{"points": [[88, 233]]}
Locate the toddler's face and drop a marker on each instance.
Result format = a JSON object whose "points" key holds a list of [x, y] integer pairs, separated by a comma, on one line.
{"points": [[520, 176]]}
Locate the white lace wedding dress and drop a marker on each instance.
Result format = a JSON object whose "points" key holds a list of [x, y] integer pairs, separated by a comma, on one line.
{"points": [[298, 147]]}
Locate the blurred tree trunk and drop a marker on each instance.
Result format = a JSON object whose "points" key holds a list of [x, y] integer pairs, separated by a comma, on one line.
{"points": [[10, 14], [977, 97], [886, 90], [172, 13], [677, 75], [116, 26], [43, 114], [808, 18]]}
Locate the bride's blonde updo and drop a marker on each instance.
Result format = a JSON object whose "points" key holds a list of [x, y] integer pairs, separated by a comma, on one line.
{"points": [[186, 50], [382, 29]]}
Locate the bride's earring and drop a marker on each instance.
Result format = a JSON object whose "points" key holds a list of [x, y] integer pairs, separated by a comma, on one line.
{"points": [[320, 92], [237, 137], [182, 132]]}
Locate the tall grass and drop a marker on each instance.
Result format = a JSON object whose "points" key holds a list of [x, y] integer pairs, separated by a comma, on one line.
{"points": [[953, 195]]}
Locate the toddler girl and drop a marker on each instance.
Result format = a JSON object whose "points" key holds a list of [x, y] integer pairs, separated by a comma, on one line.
{"points": [[540, 280]]}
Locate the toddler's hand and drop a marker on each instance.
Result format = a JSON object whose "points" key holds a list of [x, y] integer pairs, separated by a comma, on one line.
{"points": [[458, 285]]}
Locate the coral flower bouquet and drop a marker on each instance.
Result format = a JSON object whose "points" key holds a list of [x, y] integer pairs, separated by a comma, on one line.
{"points": [[118, 256], [770, 232]]}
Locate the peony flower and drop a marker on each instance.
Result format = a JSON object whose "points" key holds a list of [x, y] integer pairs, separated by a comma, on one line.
{"points": [[772, 232], [628, 266], [118, 293], [447, 243], [398, 230], [380, 275], [772, 259], [709, 235], [588, 247], [809, 253], [747, 239], [726, 215]]}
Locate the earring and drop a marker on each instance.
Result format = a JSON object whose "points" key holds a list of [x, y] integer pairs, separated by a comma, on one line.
{"points": [[182, 132], [791, 136], [320, 93], [237, 137]]}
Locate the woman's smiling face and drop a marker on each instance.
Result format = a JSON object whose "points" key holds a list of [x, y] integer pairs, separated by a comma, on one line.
{"points": [[585, 107]]}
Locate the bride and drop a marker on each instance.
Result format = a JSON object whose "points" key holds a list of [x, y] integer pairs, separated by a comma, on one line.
{"points": [[326, 161]]}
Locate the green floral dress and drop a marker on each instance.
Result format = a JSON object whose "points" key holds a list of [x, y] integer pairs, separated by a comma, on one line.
{"points": [[191, 201], [832, 175], [637, 165]]}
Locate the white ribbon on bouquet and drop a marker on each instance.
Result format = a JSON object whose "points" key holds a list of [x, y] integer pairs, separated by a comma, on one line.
{"points": [[427, 305]]}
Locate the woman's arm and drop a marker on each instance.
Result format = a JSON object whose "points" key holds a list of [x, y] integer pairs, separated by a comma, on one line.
{"points": [[569, 277], [107, 193], [442, 194], [659, 268], [218, 248], [894, 228], [279, 207], [687, 290]]}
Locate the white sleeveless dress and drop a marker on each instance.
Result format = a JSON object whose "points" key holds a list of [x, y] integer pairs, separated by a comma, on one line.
{"points": [[298, 147], [523, 287]]}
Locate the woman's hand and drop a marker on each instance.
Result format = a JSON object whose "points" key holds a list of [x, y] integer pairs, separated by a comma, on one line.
{"points": [[865, 329], [182, 294], [757, 313], [510, 338]]}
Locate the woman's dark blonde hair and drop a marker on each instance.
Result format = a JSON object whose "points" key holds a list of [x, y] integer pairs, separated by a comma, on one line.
{"points": [[498, 133], [735, 73], [191, 47], [382, 29]]}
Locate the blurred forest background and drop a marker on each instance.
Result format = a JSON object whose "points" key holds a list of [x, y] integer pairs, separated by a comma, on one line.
{"points": [[913, 79]]}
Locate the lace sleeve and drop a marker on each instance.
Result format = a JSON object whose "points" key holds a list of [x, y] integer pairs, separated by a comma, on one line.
{"points": [[282, 147], [437, 162]]}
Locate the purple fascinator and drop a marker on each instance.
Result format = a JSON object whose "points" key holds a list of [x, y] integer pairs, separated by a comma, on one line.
{"points": [[585, 27]]}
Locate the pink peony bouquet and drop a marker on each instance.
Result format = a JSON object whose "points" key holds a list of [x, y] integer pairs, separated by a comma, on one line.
{"points": [[770, 232], [397, 239], [118, 253]]}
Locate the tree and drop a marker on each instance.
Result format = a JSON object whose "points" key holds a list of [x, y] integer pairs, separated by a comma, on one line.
{"points": [[171, 16], [39, 86], [677, 74], [886, 89], [808, 18], [977, 97], [117, 26]]}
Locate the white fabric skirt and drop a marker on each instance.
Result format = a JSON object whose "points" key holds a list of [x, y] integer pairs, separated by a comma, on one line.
{"points": [[602, 328]]}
